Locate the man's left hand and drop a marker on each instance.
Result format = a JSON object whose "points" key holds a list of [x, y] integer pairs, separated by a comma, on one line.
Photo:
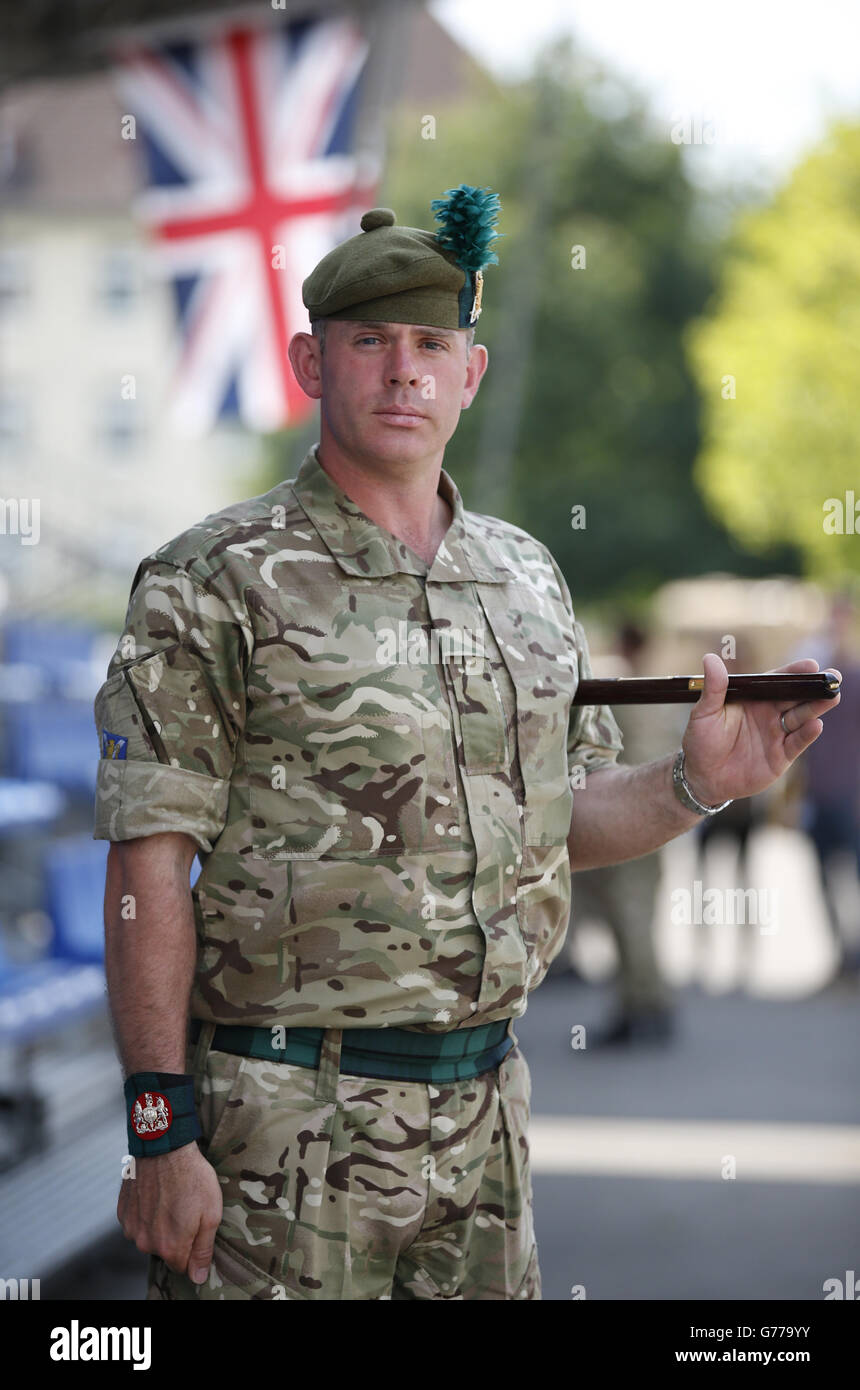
{"points": [[738, 749]]}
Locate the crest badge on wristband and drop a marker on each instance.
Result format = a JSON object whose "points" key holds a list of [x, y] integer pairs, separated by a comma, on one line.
{"points": [[151, 1115], [160, 1112]]}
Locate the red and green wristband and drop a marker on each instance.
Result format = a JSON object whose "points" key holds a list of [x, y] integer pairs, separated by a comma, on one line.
{"points": [[160, 1111]]}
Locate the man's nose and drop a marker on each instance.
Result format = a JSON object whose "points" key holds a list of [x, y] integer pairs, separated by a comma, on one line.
{"points": [[402, 368]]}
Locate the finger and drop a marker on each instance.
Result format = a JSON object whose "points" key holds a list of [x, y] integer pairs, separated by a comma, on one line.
{"points": [[806, 663], [174, 1256], [801, 738], [713, 696], [795, 715], [202, 1251]]}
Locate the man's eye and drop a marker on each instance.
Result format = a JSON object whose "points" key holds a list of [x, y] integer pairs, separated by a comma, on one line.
{"points": [[370, 338], [433, 342]]}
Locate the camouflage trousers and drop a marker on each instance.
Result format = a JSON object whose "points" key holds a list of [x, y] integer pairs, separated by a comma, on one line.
{"points": [[348, 1187]]}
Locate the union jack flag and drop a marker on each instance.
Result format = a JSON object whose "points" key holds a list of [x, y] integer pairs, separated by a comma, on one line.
{"points": [[252, 179]]}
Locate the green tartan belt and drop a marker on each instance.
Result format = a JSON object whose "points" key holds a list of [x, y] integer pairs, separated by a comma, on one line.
{"points": [[387, 1053]]}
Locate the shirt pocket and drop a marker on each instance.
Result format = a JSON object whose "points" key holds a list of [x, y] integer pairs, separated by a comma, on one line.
{"points": [[360, 767], [164, 703], [538, 649], [124, 732]]}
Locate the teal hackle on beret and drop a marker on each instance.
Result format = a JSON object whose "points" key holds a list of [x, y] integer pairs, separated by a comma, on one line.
{"points": [[468, 217]]}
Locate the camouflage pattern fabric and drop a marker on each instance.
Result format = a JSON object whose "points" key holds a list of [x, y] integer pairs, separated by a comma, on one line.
{"points": [[381, 825], [338, 1187]]}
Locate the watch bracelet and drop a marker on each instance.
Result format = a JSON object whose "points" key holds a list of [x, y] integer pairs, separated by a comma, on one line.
{"points": [[684, 792]]}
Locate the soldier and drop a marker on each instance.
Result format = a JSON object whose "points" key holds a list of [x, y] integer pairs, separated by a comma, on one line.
{"points": [[351, 698]]}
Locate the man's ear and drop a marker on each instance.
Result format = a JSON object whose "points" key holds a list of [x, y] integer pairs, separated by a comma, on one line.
{"points": [[305, 359], [476, 365]]}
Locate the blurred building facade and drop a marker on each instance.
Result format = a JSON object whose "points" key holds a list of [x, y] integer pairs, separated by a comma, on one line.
{"points": [[88, 341]]}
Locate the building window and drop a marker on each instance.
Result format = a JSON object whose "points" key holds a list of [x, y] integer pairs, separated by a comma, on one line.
{"points": [[119, 425], [14, 419], [119, 278], [14, 278]]}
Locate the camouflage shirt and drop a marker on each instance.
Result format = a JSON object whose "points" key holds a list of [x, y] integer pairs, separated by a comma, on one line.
{"points": [[374, 757]]}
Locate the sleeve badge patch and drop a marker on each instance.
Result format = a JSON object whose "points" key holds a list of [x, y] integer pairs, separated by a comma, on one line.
{"points": [[114, 745]]}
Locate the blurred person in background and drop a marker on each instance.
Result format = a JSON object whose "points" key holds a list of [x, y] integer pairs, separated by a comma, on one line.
{"points": [[829, 773], [735, 825], [622, 895]]}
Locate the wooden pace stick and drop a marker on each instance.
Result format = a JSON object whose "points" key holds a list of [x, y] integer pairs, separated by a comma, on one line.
{"points": [[676, 690]]}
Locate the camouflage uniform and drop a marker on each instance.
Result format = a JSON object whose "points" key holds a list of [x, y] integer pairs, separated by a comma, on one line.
{"points": [[382, 832]]}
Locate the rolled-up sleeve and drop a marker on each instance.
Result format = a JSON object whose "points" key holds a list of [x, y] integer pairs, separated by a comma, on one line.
{"points": [[593, 738], [171, 712]]}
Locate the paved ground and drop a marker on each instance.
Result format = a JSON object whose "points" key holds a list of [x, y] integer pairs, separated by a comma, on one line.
{"points": [[677, 1237]]}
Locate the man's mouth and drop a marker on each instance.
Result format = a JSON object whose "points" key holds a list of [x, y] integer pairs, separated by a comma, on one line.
{"points": [[401, 416]]}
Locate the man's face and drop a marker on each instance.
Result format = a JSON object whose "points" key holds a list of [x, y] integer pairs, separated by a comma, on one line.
{"points": [[394, 391]]}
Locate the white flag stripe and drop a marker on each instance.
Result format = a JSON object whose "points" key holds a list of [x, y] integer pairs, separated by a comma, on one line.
{"points": [[205, 255], [342, 75], [198, 147], [222, 196], [296, 125], [297, 111], [260, 386], [225, 302]]}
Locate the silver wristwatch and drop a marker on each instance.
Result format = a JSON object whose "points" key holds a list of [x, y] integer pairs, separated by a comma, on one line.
{"points": [[685, 796]]}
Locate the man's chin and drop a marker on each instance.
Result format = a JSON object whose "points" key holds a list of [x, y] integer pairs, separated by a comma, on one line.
{"points": [[391, 440]]}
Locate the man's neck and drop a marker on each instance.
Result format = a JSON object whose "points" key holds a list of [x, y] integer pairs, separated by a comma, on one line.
{"points": [[410, 508]]}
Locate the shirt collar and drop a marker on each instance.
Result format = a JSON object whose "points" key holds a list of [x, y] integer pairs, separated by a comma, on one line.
{"points": [[363, 548]]}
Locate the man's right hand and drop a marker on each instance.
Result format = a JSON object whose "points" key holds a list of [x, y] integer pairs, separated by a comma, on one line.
{"points": [[172, 1208]]}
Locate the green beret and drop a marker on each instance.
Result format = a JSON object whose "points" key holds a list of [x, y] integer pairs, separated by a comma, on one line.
{"points": [[395, 274]]}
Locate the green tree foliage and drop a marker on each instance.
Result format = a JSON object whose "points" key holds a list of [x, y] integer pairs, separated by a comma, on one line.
{"points": [[610, 412], [786, 327]]}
